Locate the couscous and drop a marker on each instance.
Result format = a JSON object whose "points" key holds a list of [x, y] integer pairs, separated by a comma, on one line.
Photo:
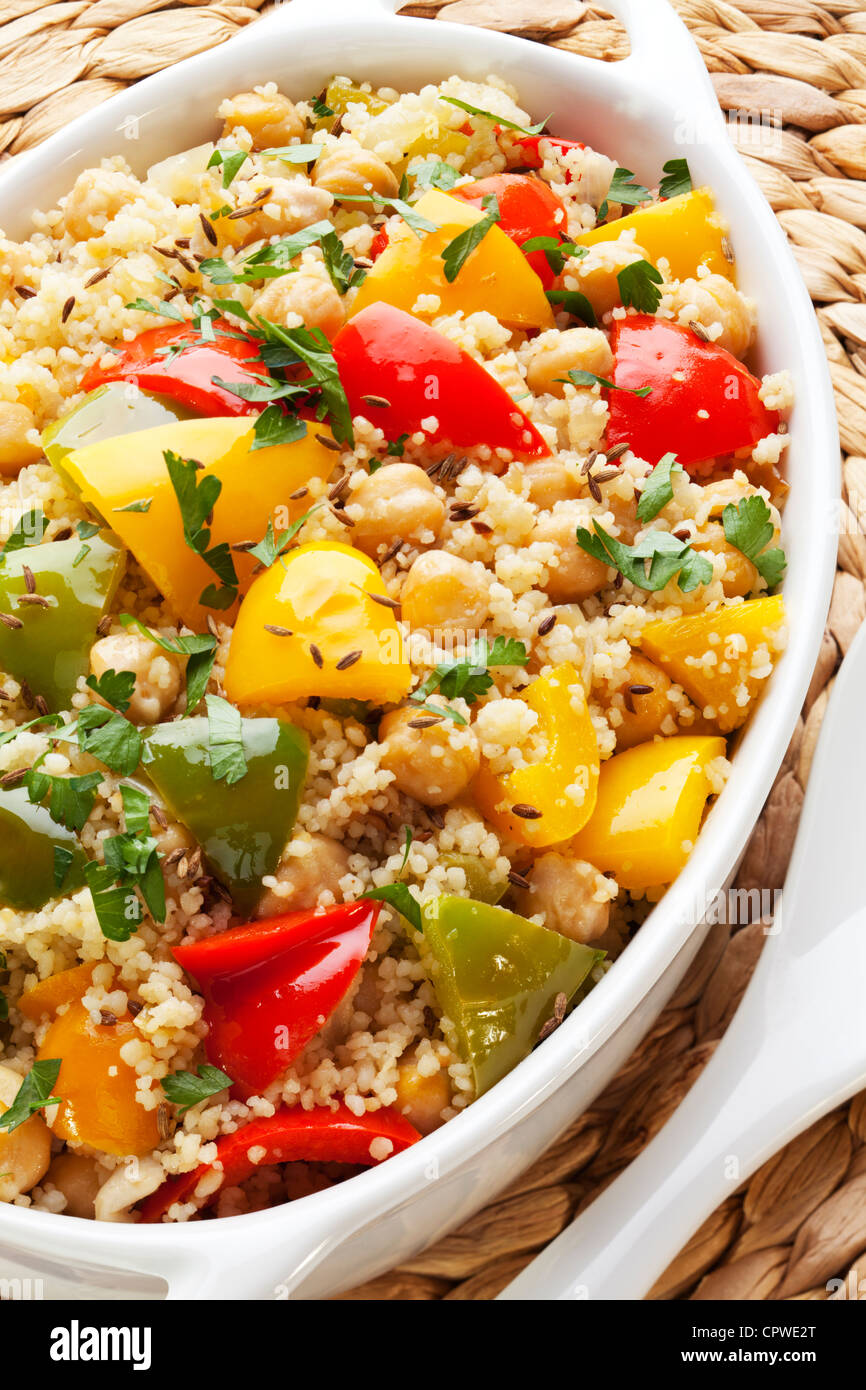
{"points": [[390, 534]]}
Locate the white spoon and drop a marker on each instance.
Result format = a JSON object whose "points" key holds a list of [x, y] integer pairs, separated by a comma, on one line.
{"points": [[795, 1049]]}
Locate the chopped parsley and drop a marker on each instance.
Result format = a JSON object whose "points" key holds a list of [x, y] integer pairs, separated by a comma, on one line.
{"points": [[184, 1089], [458, 251], [275, 426], [468, 679], [114, 687], [749, 529], [435, 173], [163, 309], [574, 303], [268, 261], [659, 488], [321, 110], [51, 721], [28, 530], [231, 162], [143, 504], [196, 501], [413, 219], [652, 563], [638, 286], [200, 648], [581, 378], [71, 799], [34, 1093], [225, 740], [134, 860], [625, 190], [136, 809], [271, 547], [499, 120], [310, 346], [117, 906], [395, 448], [556, 251], [398, 896], [110, 738], [677, 179], [294, 154], [339, 264]]}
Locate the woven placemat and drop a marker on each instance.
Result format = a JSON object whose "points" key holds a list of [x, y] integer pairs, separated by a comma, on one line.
{"points": [[793, 75]]}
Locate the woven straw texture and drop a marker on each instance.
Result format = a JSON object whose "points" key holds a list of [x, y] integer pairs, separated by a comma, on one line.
{"points": [[801, 1220]]}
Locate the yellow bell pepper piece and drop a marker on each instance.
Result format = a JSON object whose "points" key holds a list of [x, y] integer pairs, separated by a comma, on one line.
{"points": [[563, 785], [47, 996], [686, 230], [97, 1087], [721, 659], [650, 803], [255, 490], [496, 276], [320, 594], [340, 95]]}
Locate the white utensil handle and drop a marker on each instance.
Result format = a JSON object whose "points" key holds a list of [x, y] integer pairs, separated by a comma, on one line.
{"points": [[769, 1078]]}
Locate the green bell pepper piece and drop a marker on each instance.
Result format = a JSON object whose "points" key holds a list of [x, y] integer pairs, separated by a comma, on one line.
{"points": [[30, 873], [118, 408], [497, 976], [480, 884], [243, 828], [51, 649]]}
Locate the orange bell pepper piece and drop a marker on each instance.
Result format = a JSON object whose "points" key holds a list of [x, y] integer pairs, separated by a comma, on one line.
{"points": [[561, 788], [47, 996]]}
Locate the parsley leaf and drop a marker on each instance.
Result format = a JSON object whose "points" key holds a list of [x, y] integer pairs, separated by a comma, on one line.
{"points": [[196, 501], [142, 505], [574, 303], [320, 110], [666, 556], [311, 347], [294, 154], [581, 378], [677, 179], [34, 1093], [268, 261], [500, 120], [71, 799], [435, 173], [117, 907], [638, 285], [115, 687], [51, 721], [225, 740], [231, 162], [275, 426], [268, 389], [28, 530], [339, 264], [659, 488], [468, 679], [556, 252], [413, 219], [272, 546], [109, 737], [458, 251], [398, 896], [396, 447], [623, 190], [749, 529], [184, 1089], [136, 810], [134, 861]]}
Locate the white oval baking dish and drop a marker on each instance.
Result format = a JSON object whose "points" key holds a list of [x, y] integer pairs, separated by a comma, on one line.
{"points": [[655, 105]]}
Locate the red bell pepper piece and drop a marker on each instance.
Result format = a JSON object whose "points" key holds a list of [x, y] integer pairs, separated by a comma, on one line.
{"points": [[187, 375], [378, 244], [269, 986], [289, 1136], [528, 207], [386, 352], [703, 404], [531, 155]]}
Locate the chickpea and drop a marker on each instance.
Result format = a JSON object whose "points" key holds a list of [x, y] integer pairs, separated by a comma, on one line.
{"points": [[348, 170], [272, 121], [595, 274], [643, 714], [157, 673], [301, 878], [398, 500], [290, 205], [554, 354], [445, 593], [564, 890], [573, 575], [16, 422], [433, 764], [25, 1152], [135, 1179], [740, 576], [78, 1178], [549, 482], [715, 300], [306, 295], [420, 1097], [97, 196]]}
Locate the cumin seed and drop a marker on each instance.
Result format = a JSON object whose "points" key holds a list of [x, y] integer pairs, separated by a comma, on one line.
{"points": [[135, 1007], [8, 621], [168, 253], [436, 816], [10, 779], [595, 490], [349, 660], [96, 277], [546, 625], [104, 625], [209, 230], [517, 879], [617, 451], [560, 1004], [328, 443], [25, 292], [163, 1121], [159, 815], [385, 600], [298, 494], [316, 655], [380, 402], [241, 212], [277, 631], [63, 534], [699, 330], [343, 519], [340, 488], [727, 249], [588, 462], [392, 550], [243, 546], [29, 581], [41, 704], [526, 812], [67, 308], [425, 721], [107, 1018], [481, 528], [39, 600]]}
